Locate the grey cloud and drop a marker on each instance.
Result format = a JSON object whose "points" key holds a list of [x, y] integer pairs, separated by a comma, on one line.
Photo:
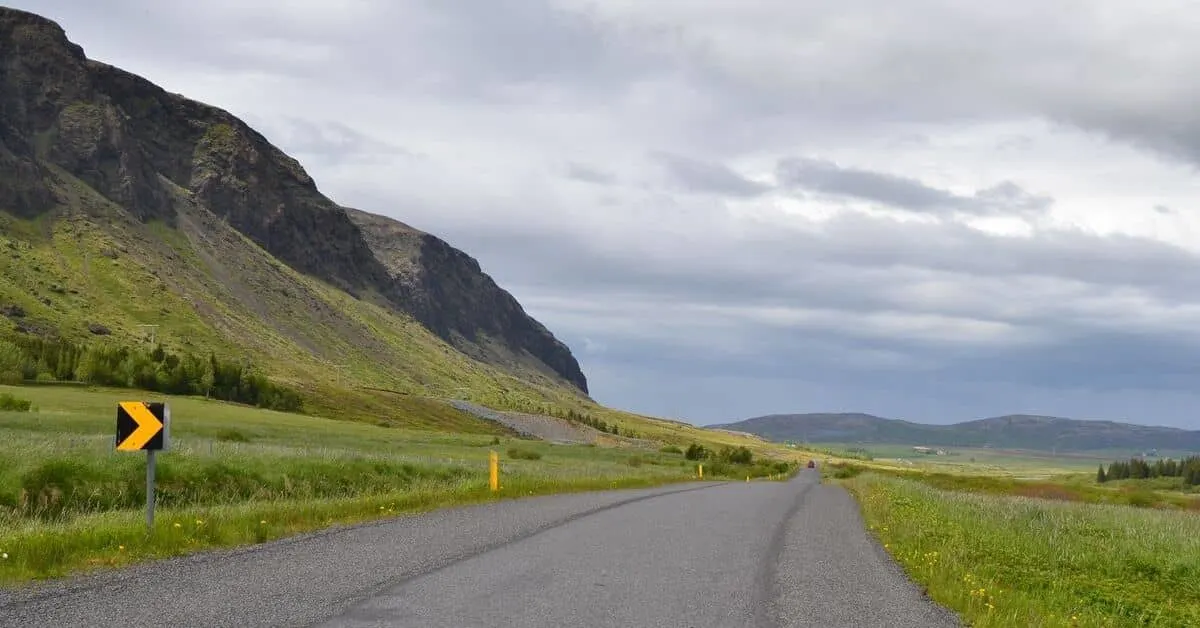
{"points": [[696, 175], [930, 62], [327, 141], [589, 174], [911, 140], [830, 178], [826, 176], [1106, 66], [851, 262], [1015, 143], [494, 51], [1008, 197], [1082, 344], [1114, 376]]}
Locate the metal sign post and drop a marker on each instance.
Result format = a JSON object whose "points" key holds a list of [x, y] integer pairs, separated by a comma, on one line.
{"points": [[144, 426], [150, 489]]}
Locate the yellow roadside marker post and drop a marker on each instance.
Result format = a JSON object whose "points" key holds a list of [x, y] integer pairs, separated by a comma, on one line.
{"points": [[700, 468], [494, 471]]}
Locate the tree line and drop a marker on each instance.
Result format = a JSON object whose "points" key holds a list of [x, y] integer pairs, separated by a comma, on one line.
{"points": [[1139, 469], [31, 358], [734, 455], [582, 417], [589, 420]]}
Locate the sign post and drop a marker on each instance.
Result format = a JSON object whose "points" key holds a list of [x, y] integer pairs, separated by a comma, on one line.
{"points": [[144, 426], [150, 489], [494, 471]]}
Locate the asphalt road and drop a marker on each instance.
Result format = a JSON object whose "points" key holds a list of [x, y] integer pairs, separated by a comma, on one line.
{"points": [[759, 555]]}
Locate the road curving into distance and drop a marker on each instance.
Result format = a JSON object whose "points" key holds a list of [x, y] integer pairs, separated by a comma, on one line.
{"points": [[758, 554]]}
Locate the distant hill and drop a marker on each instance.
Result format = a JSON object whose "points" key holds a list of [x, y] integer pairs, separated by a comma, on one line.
{"points": [[1017, 431]]}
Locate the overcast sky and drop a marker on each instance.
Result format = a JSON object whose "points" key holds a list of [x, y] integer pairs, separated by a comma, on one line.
{"points": [[929, 210]]}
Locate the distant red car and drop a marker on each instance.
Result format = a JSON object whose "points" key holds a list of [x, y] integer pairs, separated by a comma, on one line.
{"points": [[812, 464]]}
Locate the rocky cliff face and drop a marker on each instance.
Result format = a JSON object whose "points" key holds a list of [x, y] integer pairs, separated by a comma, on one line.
{"points": [[130, 140], [446, 291]]}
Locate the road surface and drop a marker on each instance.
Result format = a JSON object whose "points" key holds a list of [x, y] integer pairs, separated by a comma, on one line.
{"points": [[759, 555]]}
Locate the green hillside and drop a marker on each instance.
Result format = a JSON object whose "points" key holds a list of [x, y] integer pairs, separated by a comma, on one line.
{"points": [[226, 296]]}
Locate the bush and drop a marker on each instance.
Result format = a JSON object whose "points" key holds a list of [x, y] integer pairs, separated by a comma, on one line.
{"points": [[9, 403], [517, 453], [741, 455], [776, 467], [670, 449], [846, 471], [634, 461], [696, 452]]}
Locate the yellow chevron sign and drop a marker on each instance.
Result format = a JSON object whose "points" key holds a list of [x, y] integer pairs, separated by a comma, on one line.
{"points": [[141, 425]]}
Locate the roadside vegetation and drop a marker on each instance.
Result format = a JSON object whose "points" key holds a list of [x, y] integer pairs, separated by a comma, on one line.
{"points": [[236, 475], [1002, 560]]}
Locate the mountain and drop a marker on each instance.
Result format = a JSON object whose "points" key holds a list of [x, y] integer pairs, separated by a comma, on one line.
{"points": [[1016, 431], [446, 291], [123, 206]]}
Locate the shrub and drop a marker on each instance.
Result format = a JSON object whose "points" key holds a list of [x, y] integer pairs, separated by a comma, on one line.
{"points": [[517, 453], [670, 449], [9, 403], [845, 471], [741, 455], [696, 452], [634, 461]]}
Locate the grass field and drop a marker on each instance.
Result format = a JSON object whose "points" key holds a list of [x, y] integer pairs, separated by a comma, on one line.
{"points": [[1158, 493], [236, 475], [1011, 462], [1012, 561]]}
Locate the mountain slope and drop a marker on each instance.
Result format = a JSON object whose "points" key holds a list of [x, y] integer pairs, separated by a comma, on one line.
{"points": [[1011, 431], [446, 291], [85, 140]]}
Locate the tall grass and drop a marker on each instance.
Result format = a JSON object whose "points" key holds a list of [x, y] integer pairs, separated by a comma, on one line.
{"points": [[1019, 561]]}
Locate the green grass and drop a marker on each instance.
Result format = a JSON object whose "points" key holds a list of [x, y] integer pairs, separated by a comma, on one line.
{"points": [[69, 502], [975, 459], [1013, 561], [1160, 493]]}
